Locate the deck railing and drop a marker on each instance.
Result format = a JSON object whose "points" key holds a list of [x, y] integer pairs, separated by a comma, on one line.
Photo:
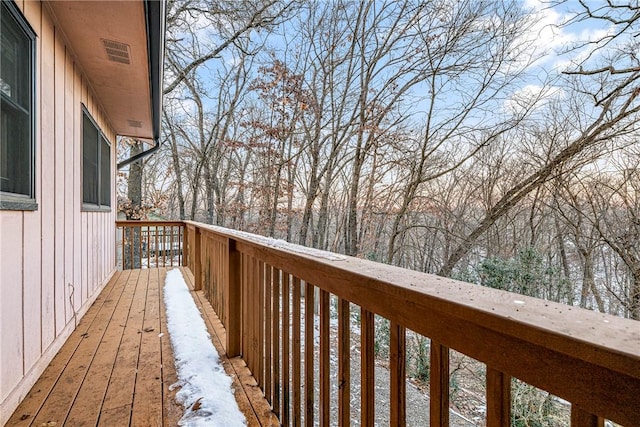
{"points": [[268, 295], [147, 244]]}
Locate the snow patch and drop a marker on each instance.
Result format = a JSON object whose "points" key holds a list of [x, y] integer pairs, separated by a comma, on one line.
{"points": [[205, 389], [279, 244]]}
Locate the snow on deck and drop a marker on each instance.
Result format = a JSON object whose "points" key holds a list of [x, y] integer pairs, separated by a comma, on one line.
{"points": [[205, 390]]}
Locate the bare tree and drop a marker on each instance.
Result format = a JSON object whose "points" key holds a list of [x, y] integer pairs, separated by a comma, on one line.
{"points": [[615, 206], [230, 22]]}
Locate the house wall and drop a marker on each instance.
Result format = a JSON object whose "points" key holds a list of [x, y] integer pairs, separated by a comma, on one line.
{"points": [[53, 261]]}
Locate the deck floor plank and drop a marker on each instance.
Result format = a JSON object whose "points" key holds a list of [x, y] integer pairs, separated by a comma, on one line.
{"points": [[35, 399], [147, 401], [94, 387], [118, 401], [117, 367], [60, 400]]}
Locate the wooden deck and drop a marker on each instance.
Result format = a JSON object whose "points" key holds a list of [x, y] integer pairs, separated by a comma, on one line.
{"points": [[117, 366]]}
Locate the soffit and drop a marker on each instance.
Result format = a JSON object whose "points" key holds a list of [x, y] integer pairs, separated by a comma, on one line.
{"points": [[109, 39]]}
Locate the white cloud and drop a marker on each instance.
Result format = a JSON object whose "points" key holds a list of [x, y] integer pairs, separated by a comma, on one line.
{"points": [[531, 97], [554, 36]]}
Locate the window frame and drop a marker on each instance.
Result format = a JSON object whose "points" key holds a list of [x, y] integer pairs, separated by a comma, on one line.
{"points": [[89, 206], [18, 201]]}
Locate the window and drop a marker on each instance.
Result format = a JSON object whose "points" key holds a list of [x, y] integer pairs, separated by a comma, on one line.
{"points": [[17, 82], [96, 165]]}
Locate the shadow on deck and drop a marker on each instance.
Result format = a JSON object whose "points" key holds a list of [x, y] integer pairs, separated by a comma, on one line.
{"points": [[117, 367]]}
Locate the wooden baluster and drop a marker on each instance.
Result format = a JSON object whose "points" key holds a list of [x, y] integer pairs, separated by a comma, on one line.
{"points": [[275, 341], [157, 229], [397, 360], [261, 326], [439, 385], [187, 246], [167, 249], [148, 238], [246, 311], [171, 242], [218, 262], [249, 313], [286, 390], [164, 245], [207, 265], [296, 301], [344, 363], [181, 245], [158, 245], [124, 253], [139, 256], [498, 399], [582, 418], [211, 291], [255, 324], [197, 261], [223, 265], [325, 367], [268, 333], [233, 300], [131, 243], [367, 369], [309, 327]]}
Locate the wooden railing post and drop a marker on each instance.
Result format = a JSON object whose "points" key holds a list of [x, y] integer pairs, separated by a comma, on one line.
{"points": [[197, 260], [439, 384], [498, 399], [233, 300], [367, 370], [397, 360]]}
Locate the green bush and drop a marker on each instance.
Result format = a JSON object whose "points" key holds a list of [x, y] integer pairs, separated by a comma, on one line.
{"points": [[526, 274]]}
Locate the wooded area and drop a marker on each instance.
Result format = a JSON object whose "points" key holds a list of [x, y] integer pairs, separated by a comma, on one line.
{"points": [[487, 141]]}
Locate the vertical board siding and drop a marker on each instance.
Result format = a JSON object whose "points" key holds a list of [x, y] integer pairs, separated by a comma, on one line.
{"points": [[32, 259], [58, 179], [55, 259], [11, 338], [46, 203], [80, 293], [71, 301]]}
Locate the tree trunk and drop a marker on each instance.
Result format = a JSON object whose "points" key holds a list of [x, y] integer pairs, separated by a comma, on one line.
{"points": [[588, 279], [635, 296], [134, 193], [177, 169]]}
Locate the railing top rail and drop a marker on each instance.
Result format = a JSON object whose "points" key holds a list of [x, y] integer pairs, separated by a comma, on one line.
{"points": [[417, 300], [142, 223]]}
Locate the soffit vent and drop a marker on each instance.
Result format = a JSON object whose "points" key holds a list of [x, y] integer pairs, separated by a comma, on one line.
{"points": [[135, 123], [116, 51]]}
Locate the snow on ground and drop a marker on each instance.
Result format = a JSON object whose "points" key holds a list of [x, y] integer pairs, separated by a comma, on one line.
{"points": [[205, 391]]}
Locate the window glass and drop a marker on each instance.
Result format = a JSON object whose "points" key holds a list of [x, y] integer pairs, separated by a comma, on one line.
{"points": [[16, 106], [105, 172], [89, 161], [96, 165]]}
